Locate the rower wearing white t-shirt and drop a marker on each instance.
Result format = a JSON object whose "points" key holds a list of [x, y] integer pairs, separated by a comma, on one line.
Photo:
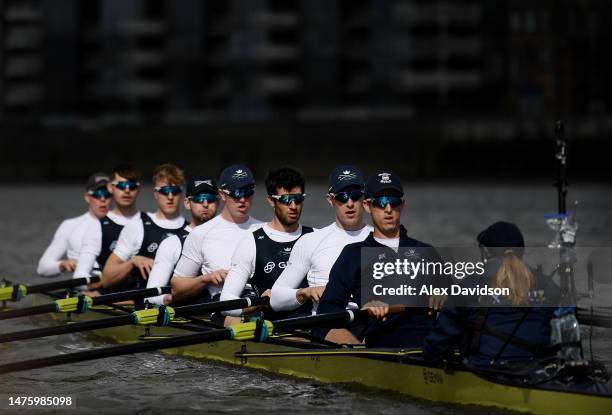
{"points": [[101, 236], [208, 250], [130, 263], [201, 200], [261, 256], [314, 255], [68, 238]]}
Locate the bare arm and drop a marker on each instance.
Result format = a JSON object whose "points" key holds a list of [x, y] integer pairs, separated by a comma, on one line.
{"points": [[186, 287], [115, 270]]}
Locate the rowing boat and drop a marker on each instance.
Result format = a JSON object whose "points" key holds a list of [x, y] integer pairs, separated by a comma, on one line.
{"points": [[393, 370]]}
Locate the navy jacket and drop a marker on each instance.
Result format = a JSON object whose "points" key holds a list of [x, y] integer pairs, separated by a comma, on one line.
{"points": [[456, 326], [403, 330]]}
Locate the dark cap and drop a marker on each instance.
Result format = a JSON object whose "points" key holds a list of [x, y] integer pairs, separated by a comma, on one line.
{"points": [[235, 177], [383, 180], [501, 234], [201, 184], [97, 180], [342, 177]]}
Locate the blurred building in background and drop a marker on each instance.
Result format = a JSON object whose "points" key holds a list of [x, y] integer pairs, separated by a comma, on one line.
{"points": [[487, 69]]}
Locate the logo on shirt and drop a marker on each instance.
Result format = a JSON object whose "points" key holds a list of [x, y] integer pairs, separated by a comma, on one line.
{"points": [[152, 247], [285, 251], [269, 267], [113, 245], [347, 175], [385, 178]]}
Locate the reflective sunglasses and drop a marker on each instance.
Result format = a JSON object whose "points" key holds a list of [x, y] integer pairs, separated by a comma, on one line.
{"points": [[99, 194], [343, 197], [287, 199], [383, 201], [204, 197], [169, 190], [126, 185], [240, 193]]}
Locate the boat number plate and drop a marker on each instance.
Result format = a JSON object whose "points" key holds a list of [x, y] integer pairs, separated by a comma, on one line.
{"points": [[431, 377]]}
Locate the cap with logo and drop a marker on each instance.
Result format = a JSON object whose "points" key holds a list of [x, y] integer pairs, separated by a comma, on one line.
{"points": [[97, 180], [383, 180], [201, 184], [342, 177], [236, 177]]}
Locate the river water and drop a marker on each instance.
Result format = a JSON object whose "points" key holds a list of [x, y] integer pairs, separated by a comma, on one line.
{"points": [[440, 214]]}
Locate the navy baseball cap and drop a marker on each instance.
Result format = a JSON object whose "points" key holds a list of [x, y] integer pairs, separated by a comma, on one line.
{"points": [[201, 184], [342, 177], [383, 180], [236, 177], [97, 180]]}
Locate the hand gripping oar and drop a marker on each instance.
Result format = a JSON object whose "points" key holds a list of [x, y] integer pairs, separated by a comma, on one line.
{"points": [[19, 291], [81, 303], [160, 316], [255, 331]]}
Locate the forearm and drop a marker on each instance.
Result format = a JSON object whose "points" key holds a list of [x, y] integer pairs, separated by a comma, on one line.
{"points": [[185, 287], [115, 271]]}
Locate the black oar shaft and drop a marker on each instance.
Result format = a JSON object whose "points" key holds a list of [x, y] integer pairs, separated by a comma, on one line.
{"points": [[129, 295], [30, 311], [121, 350], [58, 285], [67, 328], [221, 306]]}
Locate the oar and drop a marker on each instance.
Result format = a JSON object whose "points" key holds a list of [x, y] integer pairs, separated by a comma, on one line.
{"points": [[19, 291], [81, 303], [257, 331], [159, 316]]}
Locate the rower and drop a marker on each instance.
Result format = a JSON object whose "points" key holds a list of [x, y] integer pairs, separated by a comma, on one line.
{"points": [[201, 199], [68, 238], [261, 256], [208, 250], [384, 202], [130, 263], [314, 254], [101, 236], [514, 329]]}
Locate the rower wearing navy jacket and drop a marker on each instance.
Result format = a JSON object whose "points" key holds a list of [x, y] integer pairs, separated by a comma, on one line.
{"points": [[503, 329], [384, 202], [261, 257]]}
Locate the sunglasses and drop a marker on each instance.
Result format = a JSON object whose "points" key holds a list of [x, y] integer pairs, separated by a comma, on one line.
{"points": [[204, 197], [99, 194], [383, 201], [240, 193], [287, 199], [169, 190], [343, 197], [126, 185]]}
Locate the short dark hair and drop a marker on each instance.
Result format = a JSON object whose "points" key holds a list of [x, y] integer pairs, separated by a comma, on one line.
{"points": [[126, 170], [285, 178]]}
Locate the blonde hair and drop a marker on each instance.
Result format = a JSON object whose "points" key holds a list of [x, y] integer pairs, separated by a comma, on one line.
{"points": [[169, 173], [515, 275]]}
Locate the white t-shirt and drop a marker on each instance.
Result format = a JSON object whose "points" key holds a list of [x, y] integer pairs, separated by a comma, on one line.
{"points": [[166, 257], [92, 244], [66, 242], [132, 234], [243, 263], [391, 243], [210, 246], [313, 256]]}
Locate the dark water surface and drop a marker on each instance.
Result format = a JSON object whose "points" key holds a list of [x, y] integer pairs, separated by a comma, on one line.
{"points": [[441, 214]]}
